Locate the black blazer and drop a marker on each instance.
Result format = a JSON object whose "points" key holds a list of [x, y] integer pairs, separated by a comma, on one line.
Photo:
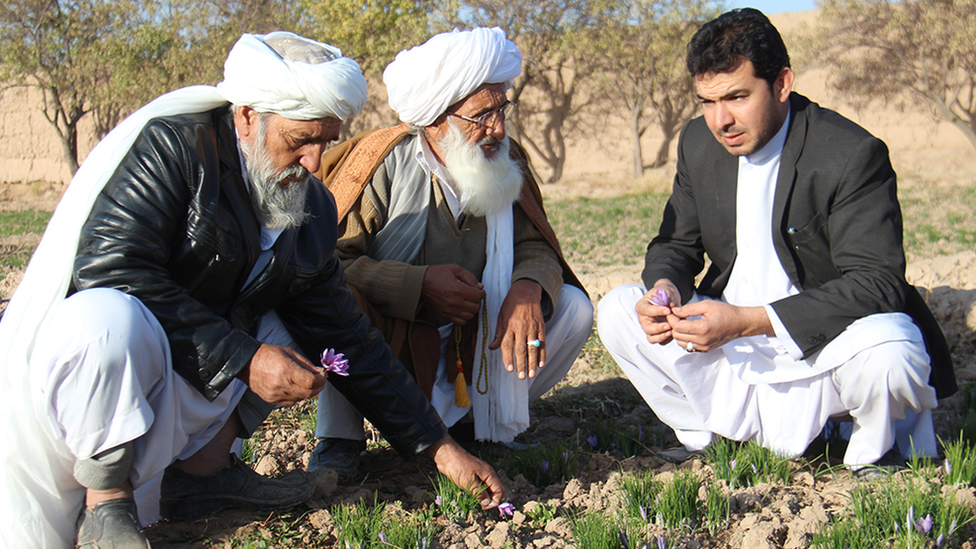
{"points": [[837, 230]]}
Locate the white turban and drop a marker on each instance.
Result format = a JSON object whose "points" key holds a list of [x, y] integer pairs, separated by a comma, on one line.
{"points": [[323, 84], [425, 80]]}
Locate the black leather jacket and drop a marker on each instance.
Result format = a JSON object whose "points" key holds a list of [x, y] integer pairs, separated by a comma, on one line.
{"points": [[174, 227]]}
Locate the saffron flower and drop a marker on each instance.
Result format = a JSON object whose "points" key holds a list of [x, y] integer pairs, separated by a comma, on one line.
{"points": [[938, 542], [643, 512], [660, 298], [506, 508], [335, 362], [623, 540], [437, 501], [544, 466], [382, 537], [925, 524], [948, 467], [592, 441], [660, 543]]}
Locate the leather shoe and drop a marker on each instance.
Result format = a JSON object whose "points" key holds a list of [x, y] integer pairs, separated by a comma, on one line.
{"points": [[679, 455], [183, 495], [891, 462], [339, 454], [111, 524]]}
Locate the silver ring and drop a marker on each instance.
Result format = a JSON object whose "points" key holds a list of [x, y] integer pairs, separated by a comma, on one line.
{"points": [[534, 343], [690, 347]]}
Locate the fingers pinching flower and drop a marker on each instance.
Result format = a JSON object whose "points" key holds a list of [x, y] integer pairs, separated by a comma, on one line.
{"points": [[335, 363]]}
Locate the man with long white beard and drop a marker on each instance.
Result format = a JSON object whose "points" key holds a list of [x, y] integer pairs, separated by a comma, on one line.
{"points": [[186, 284], [447, 247]]}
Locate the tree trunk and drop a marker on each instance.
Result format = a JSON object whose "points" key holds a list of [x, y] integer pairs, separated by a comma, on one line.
{"points": [[637, 156], [69, 145]]}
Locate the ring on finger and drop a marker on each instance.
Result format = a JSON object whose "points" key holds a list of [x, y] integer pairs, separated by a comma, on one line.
{"points": [[534, 343], [690, 347]]}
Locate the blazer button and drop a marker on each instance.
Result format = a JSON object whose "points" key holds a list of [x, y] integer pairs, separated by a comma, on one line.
{"points": [[821, 338], [812, 340], [791, 230]]}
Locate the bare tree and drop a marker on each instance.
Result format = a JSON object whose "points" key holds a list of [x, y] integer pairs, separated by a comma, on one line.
{"points": [[372, 32], [56, 47], [553, 66], [643, 79], [879, 50]]}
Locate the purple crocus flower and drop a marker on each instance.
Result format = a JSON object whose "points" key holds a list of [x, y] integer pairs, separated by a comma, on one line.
{"points": [[437, 501], [948, 467], [660, 298], [592, 441], [544, 466], [938, 542], [335, 362], [732, 465], [382, 537], [754, 470], [506, 508], [926, 524], [896, 528], [565, 457], [643, 512], [660, 543], [623, 540]]}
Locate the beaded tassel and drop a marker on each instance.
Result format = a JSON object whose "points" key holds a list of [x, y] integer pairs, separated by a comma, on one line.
{"points": [[461, 399]]}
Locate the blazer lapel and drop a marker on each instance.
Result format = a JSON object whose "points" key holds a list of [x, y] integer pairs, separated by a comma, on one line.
{"points": [[785, 182]]}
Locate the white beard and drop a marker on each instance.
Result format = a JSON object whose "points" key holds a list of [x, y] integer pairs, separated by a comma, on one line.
{"points": [[276, 207], [486, 185]]}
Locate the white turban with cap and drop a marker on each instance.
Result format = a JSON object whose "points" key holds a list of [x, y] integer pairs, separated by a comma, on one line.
{"points": [[425, 80], [318, 82]]}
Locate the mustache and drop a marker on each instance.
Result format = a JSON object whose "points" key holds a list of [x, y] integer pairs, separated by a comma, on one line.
{"points": [[488, 141], [295, 173]]}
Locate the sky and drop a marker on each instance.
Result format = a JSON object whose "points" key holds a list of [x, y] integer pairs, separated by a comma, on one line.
{"points": [[773, 6]]}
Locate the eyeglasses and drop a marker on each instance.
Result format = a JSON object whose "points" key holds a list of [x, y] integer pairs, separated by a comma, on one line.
{"points": [[488, 117]]}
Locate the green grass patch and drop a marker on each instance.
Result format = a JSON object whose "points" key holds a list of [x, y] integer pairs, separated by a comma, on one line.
{"points": [[896, 514], [453, 502], [601, 232], [605, 435], [746, 464], [23, 222], [545, 464], [596, 531], [960, 462]]}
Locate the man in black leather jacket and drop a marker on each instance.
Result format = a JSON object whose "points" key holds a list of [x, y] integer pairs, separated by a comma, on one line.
{"points": [[178, 257]]}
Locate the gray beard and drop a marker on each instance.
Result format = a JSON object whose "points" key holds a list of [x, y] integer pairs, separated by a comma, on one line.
{"points": [[486, 185], [276, 207]]}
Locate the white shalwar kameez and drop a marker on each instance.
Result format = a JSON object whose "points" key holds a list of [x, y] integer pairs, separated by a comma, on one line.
{"points": [[760, 388], [85, 374]]}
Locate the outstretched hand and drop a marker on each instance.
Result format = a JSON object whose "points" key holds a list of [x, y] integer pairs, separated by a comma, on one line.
{"points": [[467, 471], [281, 375]]}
